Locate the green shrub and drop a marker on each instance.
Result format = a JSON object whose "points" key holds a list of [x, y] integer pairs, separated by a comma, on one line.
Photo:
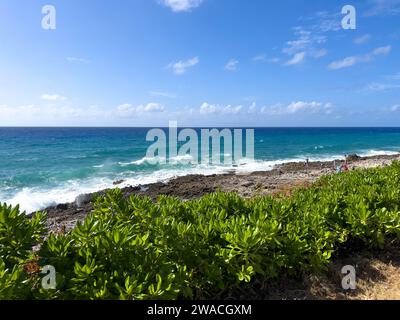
{"points": [[134, 248], [18, 235]]}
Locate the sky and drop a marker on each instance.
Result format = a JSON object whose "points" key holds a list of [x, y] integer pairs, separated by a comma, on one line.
{"points": [[203, 63]]}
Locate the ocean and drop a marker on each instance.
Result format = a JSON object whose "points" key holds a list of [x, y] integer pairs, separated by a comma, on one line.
{"points": [[40, 167]]}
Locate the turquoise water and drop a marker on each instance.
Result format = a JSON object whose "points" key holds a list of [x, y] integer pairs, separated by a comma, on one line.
{"points": [[45, 166]]}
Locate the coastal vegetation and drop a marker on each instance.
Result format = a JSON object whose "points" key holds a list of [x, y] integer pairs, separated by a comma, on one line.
{"points": [[135, 248]]}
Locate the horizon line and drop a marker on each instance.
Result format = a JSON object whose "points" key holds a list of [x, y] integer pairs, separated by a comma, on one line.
{"points": [[200, 127]]}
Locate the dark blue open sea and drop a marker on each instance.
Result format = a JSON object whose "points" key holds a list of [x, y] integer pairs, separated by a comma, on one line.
{"points": [[45, 166]]}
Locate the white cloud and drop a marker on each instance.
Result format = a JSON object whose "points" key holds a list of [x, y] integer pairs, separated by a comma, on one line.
{"points": [[362, 39], [231, 65], [395, 108], [155, 114], [319, 53], [264, 58], [297, 58], [394, 76], [351, 61], [383, 7], [387, 83], [53, 114], [206, 109], [298, 106], [162, 94], [325, 21], [150, 107], [345, 63], [52, 97], [310, 37], [260, 58], [300, 44], [307, 42], [78, 60], [128, 110], [181, 67], [382, 51], [381, 87], [7, 111], [253, 108], [50, 114], [181, 5]]}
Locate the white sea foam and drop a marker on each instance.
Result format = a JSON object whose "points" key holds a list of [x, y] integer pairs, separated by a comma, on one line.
{"points": [[33, 199], [187, 158], [372, 152], [75, 157], [144, 160], [184, 159]]}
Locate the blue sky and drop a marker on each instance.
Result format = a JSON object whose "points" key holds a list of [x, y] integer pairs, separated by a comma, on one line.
{"points": [[200, 62]]}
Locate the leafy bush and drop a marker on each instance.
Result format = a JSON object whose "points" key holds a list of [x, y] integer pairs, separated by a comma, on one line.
{"points": [[18, 235], [134, 248]]}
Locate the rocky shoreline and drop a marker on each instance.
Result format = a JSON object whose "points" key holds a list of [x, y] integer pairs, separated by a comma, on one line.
{"points": [[281, 179]]}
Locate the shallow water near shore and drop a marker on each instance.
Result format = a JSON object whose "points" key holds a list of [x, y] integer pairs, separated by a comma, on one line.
{"points": [[40, 167]]}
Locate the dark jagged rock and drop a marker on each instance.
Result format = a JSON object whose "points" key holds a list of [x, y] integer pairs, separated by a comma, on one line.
{"points": [[63, 206], [353, 157]]}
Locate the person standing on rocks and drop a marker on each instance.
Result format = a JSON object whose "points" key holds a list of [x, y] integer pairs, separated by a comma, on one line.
{"points": [[307, 165]]}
